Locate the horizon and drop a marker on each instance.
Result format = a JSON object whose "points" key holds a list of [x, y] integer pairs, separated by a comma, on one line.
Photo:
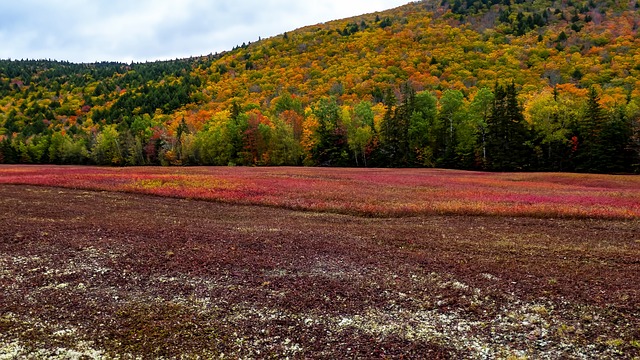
{"points": [[148, 31]]}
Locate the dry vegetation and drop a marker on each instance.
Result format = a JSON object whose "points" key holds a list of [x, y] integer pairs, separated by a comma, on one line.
{"points": [[86, 274]]}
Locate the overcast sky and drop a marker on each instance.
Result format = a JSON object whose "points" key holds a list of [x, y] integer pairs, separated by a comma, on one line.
{"points": [[141, 30]]}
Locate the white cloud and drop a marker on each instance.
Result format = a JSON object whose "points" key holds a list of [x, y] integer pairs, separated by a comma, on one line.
{"points": [[139, 30]]}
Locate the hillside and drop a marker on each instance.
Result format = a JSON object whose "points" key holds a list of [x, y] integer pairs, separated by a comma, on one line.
{"points": [[497, 85]]}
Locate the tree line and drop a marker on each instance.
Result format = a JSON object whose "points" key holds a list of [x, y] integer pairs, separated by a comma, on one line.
{"points": [[488, 131]]}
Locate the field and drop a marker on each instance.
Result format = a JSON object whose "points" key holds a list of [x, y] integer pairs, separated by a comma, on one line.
{"points": [[317, 263], [368, 192]]}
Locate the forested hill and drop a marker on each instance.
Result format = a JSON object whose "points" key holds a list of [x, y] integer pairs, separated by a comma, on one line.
{"points": [[485, 84]]}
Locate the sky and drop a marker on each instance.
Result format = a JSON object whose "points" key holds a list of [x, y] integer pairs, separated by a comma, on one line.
{"points": [[84, 31]]}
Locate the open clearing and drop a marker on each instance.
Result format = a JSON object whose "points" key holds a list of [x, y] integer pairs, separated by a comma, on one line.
{"points": [[122, 275]]}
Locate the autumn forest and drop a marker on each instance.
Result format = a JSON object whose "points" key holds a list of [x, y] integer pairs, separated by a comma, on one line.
{"points": [[487, 84], [308, 195]]}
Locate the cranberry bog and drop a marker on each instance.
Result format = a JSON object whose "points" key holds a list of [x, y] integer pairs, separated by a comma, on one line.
{"points": [[317, 263]]}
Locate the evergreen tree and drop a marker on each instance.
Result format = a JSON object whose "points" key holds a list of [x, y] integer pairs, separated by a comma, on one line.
{"points": [[395, 128], [507, 134], [615, 144], [331, 148], [8, 154], [589, 157], [236, 126], [403, 120], [388, 153]]}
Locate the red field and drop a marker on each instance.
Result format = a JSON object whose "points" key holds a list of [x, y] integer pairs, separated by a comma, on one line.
{"points": [[119, 274], [371, 192]]}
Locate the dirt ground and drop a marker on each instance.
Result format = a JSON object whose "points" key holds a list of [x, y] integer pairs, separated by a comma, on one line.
{"points": [[112, 275]]}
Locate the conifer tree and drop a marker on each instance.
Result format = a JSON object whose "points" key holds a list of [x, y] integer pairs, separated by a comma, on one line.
{"points": [[389, 152], [396, 131], [615, 155], [589, 152], [507, 133]]}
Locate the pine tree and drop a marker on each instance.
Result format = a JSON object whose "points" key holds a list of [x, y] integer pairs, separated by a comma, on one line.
{"points": [[615, 144], [403, 120], [395, 147], [589, 152], [389, 152], [507, 133]]}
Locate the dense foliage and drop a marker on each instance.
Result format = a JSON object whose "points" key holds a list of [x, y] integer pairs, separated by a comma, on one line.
{"points": [[496, 85]]}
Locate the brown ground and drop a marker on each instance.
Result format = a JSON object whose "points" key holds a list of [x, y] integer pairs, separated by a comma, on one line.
{"points": [[106, 275]]}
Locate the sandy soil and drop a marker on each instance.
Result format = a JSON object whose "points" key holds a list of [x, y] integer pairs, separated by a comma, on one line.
{"points": [[111, 275]]}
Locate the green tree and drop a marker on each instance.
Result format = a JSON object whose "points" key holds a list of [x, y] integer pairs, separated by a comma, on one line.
{"points": [[211, 145], [283, 148], [106, 150], [331, 148], [479, 112], [38, 148], [467, 143], [390, 132], [633, 114], [616, 155], [56, 147], [423, 129], [508, 138], [8, 154], [589, 157], [287, 102], [360, 130], [236, 126], [550, 118], [451, 115], [141, 127], [181, 132], [395, 128], [133, 150], [74, 151]]}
